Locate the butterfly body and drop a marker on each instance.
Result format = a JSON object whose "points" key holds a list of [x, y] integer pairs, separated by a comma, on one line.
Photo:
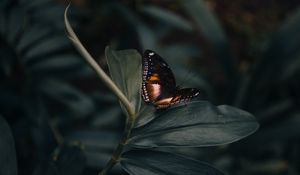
{"points": [[159, 86]]}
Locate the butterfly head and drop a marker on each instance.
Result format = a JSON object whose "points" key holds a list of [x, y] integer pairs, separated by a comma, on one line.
{"points": [[149, 53]]}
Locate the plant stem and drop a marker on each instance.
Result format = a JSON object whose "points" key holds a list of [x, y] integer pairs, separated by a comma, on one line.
{"points": [[57, 135], [115, 158], [102, 75]]}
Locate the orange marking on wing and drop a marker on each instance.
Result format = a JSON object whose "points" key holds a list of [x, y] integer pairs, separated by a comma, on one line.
{"points": [[154, 77], [176, 98]]}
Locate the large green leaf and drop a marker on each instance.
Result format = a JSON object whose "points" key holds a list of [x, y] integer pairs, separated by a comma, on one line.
{"points": [[196, 123], [125, 68], [145, 115], [148, 162], [8, 162]]}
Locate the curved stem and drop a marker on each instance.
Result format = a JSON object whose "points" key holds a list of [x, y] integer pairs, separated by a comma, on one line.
{"points": [[57, 134], [102, 75]]}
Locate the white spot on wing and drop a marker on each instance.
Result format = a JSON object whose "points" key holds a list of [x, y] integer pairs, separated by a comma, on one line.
{"points": [[155, 90]]}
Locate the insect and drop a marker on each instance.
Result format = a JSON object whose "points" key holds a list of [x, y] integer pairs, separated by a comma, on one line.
{"points": [[159, 85]]}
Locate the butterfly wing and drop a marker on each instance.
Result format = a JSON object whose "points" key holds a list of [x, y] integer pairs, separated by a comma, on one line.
{"points": [[185, 94], [158, 79], [181, 95]]}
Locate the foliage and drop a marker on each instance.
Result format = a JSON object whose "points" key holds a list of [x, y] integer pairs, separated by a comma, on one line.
{"points": [[56, 114], [37, 66], [193, 124]]}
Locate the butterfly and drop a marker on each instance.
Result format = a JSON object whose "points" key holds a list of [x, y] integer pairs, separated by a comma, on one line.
{"points": [[159, 86]]}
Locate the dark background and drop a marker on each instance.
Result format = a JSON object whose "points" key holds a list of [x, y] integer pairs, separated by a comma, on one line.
{"points": [[240, 53]]}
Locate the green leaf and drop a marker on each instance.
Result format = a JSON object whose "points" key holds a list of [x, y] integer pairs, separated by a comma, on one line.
{"points": [[282, 51], [168, 17], [180, 52], [212, 31], [205, 20], [47, 46], [194, 124], [145, 115], [149, 162], [8, 162], [125, 68], [278, 64], [45, 12], [77, 102], [15, 24], [30, 36], [35, 3], [287, 37], [56, 63], [147, 37]]}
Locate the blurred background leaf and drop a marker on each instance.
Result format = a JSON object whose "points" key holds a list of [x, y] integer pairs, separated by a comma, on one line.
{"points": [[239, 53], [7, 150], [67, 159]]}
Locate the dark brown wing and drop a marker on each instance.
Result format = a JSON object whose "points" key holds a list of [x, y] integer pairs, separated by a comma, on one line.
{"points": [[181, 95], [185, 94], [158, 79]]}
